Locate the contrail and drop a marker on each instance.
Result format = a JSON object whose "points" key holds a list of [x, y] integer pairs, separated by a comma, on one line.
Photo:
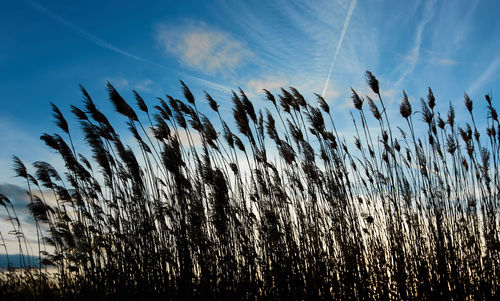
{"points": [[339, 44], [211, 84], [101, 43], [92, 38]]}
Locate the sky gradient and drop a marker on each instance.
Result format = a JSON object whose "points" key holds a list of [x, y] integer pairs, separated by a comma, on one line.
{"points": [[47, 49]]}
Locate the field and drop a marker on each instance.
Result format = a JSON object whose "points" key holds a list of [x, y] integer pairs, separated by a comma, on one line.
{"points": [[274, 204]]}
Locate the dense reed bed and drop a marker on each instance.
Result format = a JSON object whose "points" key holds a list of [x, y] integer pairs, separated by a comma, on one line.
{"points": [[272, 205]]}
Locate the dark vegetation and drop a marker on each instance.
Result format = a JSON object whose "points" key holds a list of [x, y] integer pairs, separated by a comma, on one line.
{"points": [[273, 206]]}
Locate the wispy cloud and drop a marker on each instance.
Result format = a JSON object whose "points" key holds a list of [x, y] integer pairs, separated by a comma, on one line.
{"points": [[225, 52], [339, 44], [144, 85], [199, 46], [87, 35], [208, 83], [306, 83], [437, 57], [414, 54], [486, 77], [268, 82], [447, 62]]}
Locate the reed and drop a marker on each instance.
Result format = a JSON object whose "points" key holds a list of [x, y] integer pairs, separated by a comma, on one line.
{"points": [[280, 206]]}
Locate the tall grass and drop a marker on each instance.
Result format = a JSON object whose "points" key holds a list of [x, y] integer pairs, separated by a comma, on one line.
{"points": [[273, 205]]}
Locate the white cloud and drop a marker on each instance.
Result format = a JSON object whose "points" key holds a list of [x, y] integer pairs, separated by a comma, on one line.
{"points": [[268, 82], [204, 48], [306, 84]]}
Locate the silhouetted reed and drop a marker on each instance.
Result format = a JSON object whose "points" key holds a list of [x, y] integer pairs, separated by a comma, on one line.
{"points": [[278, 208]]}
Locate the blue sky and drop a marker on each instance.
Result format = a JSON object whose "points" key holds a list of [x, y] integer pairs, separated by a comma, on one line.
{"points": [[48, 48]]}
